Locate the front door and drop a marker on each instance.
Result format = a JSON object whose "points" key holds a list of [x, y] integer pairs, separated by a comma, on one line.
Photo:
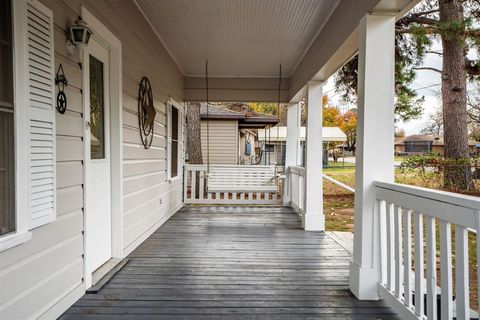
{"points": [[97, 139]]}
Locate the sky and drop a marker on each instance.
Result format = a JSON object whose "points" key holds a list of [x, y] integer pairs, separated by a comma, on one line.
{"points": [[427, 84]]}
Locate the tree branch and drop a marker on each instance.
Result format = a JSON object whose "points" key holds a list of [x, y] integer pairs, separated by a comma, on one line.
{"points": [[424, 13], [428, 68], [417, 19], [435, 52]]}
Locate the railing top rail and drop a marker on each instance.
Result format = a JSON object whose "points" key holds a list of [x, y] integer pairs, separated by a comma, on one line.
{"points": [[455, 199], [297, 170]]}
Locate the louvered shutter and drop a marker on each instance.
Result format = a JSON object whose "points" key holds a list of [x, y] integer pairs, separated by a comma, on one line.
{"points": [[169, 141], [41, 115]]}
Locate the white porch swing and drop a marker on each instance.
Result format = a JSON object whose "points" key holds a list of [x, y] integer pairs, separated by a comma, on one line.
{"points": [[228, 184]]}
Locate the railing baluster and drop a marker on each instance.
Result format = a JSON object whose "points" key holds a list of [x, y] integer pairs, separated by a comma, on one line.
{"points": [[407, 256], [418, 238], [185, 187], [431, 269], [382, 205], [194, 184], [398, 250], [201, 181], [446, 269], [390, 247], [461, 273]]}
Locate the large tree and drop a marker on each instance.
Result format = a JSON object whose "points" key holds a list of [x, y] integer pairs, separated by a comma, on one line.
{"points": [[453, 23]]}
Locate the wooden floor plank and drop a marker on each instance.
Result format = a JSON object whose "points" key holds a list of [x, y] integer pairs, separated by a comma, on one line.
{"points": [[233, 263]]}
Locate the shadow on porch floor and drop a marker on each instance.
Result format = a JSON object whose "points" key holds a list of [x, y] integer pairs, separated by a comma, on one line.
{"points": [[232, 263]]}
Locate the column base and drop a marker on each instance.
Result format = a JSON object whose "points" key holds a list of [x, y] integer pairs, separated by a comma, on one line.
{"points": [[364, 282], [313, 221]]}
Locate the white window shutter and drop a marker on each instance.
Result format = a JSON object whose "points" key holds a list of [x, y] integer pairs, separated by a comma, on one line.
{"points": [[169, 141], [41, 115]]}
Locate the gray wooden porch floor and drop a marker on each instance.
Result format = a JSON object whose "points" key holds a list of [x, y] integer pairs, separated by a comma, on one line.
{"points": [[232, 263]]}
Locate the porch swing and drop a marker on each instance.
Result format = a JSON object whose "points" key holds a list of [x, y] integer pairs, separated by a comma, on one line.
{"points": [[241, 178]]}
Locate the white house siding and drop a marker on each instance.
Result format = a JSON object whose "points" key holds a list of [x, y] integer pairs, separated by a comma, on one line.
{"points": [[223, 136], [42, 277]]}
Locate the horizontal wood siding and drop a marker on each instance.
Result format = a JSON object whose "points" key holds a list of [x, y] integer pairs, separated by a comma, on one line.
{"points": [[148, 198], [223, 141], [42, 277]]}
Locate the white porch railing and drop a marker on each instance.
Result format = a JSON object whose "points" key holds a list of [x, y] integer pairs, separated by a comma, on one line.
{"points": [[404, 214], [231, 184], [295, 187]]}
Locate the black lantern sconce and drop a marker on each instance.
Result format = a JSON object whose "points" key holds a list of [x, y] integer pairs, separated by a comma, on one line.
{"points": [[78, 35]]}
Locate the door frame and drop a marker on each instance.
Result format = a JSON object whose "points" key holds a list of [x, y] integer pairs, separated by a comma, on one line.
{"points": [[106, 38]]}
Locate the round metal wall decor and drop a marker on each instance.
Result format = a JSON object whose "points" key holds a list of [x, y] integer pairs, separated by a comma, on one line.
{"points": [[146, 112]]}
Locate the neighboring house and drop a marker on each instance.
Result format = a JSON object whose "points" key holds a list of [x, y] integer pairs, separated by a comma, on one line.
{"points": [[231, 134], [418, 144], [273, 141]]}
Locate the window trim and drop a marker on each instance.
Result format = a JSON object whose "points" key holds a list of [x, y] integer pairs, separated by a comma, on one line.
{"points": [[21, 233], [171, 103]]}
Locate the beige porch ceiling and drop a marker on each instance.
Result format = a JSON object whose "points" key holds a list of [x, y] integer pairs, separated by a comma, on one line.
{"points": [[245, 40], [241, 38]]}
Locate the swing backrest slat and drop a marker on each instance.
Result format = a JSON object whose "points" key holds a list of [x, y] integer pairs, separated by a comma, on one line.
{"points": [[239, 178]]}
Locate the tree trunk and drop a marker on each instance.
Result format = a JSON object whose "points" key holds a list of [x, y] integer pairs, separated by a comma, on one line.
{"points": [[194, 134], [194, 139], [454, 82]]}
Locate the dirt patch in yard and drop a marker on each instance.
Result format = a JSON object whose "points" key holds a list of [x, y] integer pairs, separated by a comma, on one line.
{"points": [[338, 211]]}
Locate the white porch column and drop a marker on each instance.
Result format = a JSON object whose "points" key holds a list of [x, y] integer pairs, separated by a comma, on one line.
{"points": [[312, 217], [292, 147], [375, 145]]}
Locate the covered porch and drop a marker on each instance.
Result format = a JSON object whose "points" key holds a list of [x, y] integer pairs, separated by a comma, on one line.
{"points": [[232, 263], [409, 257], [395, 256]]}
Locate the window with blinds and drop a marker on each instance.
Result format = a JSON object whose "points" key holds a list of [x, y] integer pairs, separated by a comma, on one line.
{"points": [[7, 151]]}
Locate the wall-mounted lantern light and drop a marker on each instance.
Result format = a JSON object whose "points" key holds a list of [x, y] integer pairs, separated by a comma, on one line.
{"points": [[78, 35]]}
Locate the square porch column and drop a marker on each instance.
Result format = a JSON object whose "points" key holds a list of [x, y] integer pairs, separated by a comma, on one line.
{"points": [[313, 218], [375, 145], [292, 147]]}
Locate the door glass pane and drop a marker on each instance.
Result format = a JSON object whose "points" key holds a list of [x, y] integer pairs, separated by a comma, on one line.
{"points": [[7, 150], [97, 112]]}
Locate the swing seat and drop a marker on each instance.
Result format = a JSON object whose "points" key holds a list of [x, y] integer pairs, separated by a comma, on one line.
{"points": [[238, 178]]}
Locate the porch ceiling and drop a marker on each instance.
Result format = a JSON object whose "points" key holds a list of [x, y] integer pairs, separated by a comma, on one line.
{"points": [[240, 38], [245, 40]]}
